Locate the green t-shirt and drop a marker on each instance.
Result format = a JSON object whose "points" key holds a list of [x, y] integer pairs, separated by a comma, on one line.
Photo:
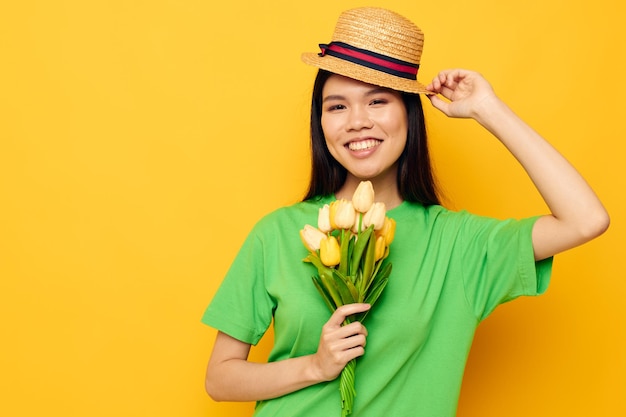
{"points": [[450, 271]]}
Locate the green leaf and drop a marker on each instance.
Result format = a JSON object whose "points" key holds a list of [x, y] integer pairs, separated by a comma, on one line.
{"points": [[345, 247], [317, 262], [358, 284], [347, 281], [350, 271], [372, 297], [370, 258], [329, 284], [342, 286], [375, 288], [359, 247], [376, 291], [380, 273], [327, 298], [378, 284]]}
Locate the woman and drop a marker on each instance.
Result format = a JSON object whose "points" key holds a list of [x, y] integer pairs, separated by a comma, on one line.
{"points": [[450, 269]]}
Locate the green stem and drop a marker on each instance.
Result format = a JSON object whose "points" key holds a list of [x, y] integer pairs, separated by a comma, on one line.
{"points": [[345, 245], [346, 388]]}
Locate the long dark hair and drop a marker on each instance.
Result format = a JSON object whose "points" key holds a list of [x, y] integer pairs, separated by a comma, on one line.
{"points": [[416, 182]]}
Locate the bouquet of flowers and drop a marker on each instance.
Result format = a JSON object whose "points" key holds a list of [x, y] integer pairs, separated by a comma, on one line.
{"points": [[348, 248]]}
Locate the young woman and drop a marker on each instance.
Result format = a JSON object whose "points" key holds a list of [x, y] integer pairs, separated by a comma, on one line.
{"points": [[450, 269]]}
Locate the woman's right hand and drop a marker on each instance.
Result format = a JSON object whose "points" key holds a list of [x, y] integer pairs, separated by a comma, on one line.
{"points": [[340, 344], [231, 377]]}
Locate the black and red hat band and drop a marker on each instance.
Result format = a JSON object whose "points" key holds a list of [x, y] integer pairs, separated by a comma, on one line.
{"points": [[370, 59]]}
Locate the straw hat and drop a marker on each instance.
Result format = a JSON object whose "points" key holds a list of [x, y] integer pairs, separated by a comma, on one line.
{"points": [[376, 46]]}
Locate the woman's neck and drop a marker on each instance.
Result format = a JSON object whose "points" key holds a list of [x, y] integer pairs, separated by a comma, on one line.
{"points": [[385, 191]]}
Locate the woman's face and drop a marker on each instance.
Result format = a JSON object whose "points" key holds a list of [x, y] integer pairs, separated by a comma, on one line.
{"points": [[365, 126]]}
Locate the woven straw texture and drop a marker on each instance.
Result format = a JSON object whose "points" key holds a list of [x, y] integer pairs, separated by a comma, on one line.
{"points": [[377, 30]]}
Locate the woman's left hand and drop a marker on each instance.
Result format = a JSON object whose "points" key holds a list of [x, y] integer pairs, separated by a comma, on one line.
{"points": [[577, 215], [466, 91]]}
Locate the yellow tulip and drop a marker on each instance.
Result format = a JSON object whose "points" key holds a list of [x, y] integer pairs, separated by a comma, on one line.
{"points": [[332, 210], [376, 216], [388, 231], [380, 248], [363, 197], [330, 251], [323, 219], [342, 214], [311, 237]]}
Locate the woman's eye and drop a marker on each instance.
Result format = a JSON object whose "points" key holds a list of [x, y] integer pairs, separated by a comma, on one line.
{"points": [[336, 107], [378, 101]]}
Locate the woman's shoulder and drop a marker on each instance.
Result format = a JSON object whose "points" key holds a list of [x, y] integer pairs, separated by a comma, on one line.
{"points": [[466, 221], [438, 216], [431, 213], [296, 214]]}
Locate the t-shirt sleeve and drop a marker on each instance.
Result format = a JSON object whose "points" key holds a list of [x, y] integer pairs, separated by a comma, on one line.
{"points": [[499, 263], [242, 307]]}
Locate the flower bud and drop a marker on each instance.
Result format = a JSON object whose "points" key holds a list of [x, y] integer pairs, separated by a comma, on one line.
{"points": [[311, 237], [363, 197], [330, 251], [358, 223], [388, 230], [376, 216], [341, 214], [323, 219], [380, 248]]}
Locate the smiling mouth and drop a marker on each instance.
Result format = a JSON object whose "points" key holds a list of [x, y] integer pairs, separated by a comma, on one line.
{"points": [[364, 144]]}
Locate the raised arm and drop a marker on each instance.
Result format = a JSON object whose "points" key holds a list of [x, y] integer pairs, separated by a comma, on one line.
{"points": [[231, 377], [577, 215]]}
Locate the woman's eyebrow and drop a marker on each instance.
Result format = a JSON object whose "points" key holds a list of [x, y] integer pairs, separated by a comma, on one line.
{"points": [[333, 97], [373, 91], [378, 90]]}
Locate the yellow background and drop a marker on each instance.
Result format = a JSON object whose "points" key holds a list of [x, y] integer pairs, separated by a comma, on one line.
{"points": [[141, 140]]}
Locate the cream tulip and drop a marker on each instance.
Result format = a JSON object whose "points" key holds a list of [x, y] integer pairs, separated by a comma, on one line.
{"points": [[363, 197], [375, 215], [323, 219], [312, 237], [342, 214]]}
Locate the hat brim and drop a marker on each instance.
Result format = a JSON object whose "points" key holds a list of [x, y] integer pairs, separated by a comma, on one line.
{"points": [[361, 73]]}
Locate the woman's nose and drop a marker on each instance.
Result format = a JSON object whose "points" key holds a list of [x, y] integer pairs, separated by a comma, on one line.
{"points": [[359, 119]]}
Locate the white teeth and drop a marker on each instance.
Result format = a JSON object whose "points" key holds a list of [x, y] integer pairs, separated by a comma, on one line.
{"points": [[363, 144]]}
